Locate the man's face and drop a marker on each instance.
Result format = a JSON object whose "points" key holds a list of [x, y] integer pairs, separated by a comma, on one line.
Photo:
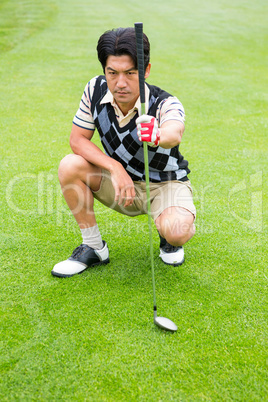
{"points": [[123, 81]]}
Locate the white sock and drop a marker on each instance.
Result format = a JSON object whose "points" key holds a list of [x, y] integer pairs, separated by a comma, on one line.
{"points": [[92, 237]]}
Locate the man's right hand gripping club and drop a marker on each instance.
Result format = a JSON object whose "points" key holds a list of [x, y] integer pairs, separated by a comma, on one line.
{"points": [[147, 130]]}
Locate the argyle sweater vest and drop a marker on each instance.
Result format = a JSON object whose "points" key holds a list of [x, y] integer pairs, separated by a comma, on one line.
{"points": [[122, 143]]}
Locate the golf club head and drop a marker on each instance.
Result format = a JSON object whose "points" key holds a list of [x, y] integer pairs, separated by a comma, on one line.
{"points": [[165, 323]]}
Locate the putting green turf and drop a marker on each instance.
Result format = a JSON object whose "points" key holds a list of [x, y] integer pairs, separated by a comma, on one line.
{"points": [[92, 337]]}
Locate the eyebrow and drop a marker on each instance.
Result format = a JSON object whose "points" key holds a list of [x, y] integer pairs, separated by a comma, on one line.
{"points": [[126, 71]]}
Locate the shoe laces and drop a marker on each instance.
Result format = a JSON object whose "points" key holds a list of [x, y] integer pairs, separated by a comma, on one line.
{"points": [[79, 250]]}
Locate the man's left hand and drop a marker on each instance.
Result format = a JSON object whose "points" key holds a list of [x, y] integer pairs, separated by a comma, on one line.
{"points": [[147, 130]]}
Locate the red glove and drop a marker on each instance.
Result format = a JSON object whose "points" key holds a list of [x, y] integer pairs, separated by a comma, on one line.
{"points": [[147, 130]]}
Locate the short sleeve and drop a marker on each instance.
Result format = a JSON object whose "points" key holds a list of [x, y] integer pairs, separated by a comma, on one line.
{"points": [[170, 109], [83, 117]]}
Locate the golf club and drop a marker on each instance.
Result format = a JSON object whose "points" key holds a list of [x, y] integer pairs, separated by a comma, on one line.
{"points": [[161, 322]]}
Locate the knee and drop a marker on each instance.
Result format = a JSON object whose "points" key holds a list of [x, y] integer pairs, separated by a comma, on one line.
{"points": [[178, 237], [69, 168], [179, 232]]}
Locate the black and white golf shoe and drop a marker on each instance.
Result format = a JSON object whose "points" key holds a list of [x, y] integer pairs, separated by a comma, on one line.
{"points": [[169, 254], [82, 258]]}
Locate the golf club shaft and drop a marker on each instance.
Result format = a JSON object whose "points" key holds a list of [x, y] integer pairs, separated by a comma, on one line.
{"points": [[146, 164], [140, 56]]}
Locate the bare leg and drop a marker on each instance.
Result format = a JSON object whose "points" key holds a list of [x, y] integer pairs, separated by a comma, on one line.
{"points": [[77, 178], [176, 225]]}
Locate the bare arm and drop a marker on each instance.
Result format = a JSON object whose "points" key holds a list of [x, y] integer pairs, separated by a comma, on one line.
{"points": [[171, 134], [81, 144]]}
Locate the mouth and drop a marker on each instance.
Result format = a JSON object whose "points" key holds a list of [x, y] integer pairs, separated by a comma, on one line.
{"points": [[122, 93]]}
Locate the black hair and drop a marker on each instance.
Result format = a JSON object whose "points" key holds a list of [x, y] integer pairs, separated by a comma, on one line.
{"points": [[121, 41]]}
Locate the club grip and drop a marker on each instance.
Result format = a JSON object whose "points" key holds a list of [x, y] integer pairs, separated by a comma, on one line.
{"points": [[140, 57]]}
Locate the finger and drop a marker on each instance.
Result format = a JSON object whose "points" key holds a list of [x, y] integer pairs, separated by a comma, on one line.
{"points": [[120, 198], [129, 199], [130, 195], [133, 193], [145, 129], [122, 195], [128, 202], [143, 119], [117, 193]]}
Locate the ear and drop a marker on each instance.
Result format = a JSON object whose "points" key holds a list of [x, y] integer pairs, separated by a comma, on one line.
{"points": [[147, 71]]}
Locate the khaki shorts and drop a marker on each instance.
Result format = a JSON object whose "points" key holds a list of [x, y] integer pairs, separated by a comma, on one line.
{"points": [[163, 195]]}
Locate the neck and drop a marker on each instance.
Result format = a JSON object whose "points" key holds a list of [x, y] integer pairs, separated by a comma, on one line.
{"points": [[126, 107]]}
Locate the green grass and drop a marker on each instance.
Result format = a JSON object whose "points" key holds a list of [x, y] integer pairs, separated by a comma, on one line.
{"points": [[92, 337]]}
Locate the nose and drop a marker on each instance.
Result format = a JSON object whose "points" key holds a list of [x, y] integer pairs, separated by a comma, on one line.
{"points": [[121, 81]]}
